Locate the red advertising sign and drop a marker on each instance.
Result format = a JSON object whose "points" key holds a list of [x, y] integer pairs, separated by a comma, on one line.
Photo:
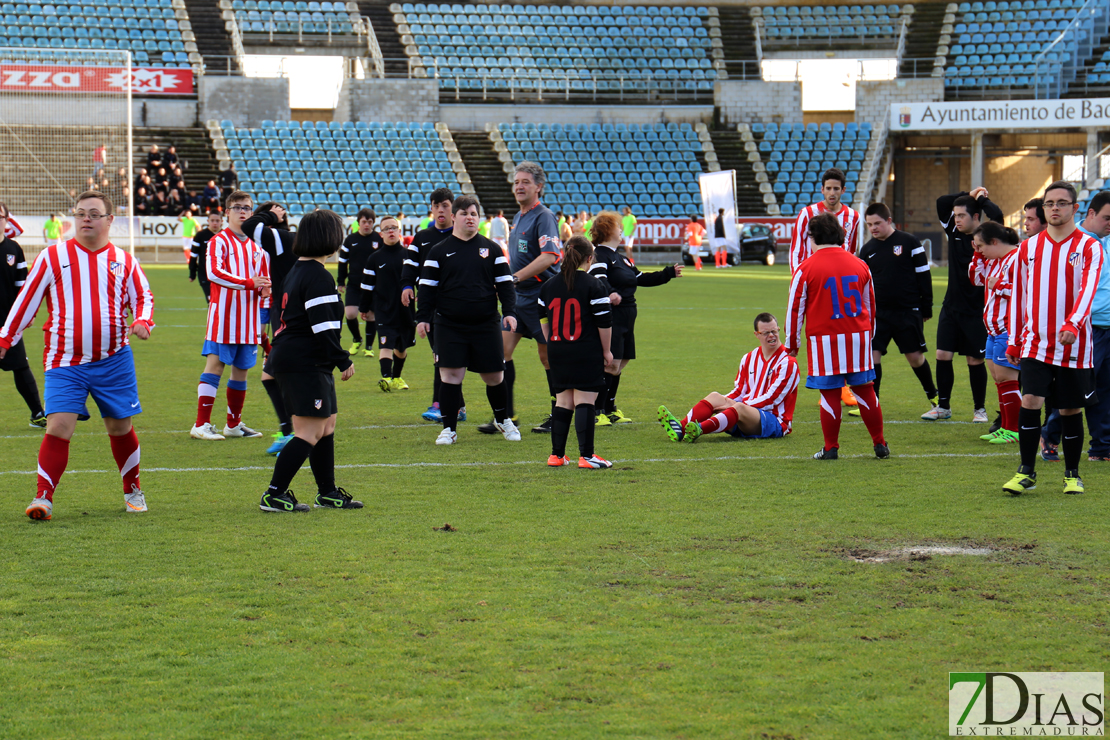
{"points": [[54, 79], [669, 232]]}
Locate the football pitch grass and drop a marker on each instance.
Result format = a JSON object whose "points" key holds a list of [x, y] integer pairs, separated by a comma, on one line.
{"points": [[720, 589]]}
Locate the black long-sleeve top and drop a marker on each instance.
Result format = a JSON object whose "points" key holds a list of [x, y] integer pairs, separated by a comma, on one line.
{"points": [[197, 255], [900, 273], [381, 287], [417, 253], [961, 295], [353, 254], [307, 338], [13, 273], [262, 228], [462, 281], [618, 275]]}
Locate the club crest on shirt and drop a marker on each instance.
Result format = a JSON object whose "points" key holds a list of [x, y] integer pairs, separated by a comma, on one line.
{"points": [[11, 260], [522, 245], [1073, 258], [116, 268], [898, 250], [318, 403], [483, 252]]}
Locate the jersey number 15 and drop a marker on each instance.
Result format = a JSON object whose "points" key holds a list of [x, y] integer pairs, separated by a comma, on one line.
{"points": [[845, 296]]}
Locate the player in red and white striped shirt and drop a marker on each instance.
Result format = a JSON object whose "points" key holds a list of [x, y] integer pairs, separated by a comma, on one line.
{"points": [[89, 286], [240, 276], [831, 293], [992, 267], [1055, 279], [761, 404], [832, 188]]}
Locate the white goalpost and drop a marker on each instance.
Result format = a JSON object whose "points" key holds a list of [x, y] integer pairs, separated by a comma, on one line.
{"points": [[65, 127]]}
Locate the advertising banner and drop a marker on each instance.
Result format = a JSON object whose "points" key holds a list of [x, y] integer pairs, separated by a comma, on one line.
{"points": [[32, 78], [1000, 115]]}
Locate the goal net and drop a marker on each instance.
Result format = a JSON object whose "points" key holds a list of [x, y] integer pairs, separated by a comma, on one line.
{"points": [[65, 127]]}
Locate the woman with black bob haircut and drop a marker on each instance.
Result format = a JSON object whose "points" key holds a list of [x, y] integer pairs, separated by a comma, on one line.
{"points": [[306, 350]]}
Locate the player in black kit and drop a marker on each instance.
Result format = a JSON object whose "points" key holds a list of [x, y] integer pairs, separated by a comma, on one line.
{"points": [[356, 249], [903, 296], [620, 278], [960, 326], [381, 296], [13, 273], [198, 252], [577, 323], [461, 282], [442, 223], [268, 227], [306, 350]]}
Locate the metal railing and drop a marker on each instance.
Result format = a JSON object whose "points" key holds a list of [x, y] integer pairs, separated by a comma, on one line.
{"points": [[867, 185], [817, 41], [376, 60], [551, 87], [236, 41], [1087, 29], [359, 27], [917, 67], [902, 33]]}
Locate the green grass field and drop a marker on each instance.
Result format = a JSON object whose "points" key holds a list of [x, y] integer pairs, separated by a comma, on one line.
{"points": [[724, 589]]}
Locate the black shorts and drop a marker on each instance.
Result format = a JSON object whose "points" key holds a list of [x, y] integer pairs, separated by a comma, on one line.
{"points": [[478, 348], [904, 326], [623, 343], [398, 338], [308, 394], [571, 367], [528, 318], [207, 288], [352, 295], [961, 333], [1061, 387], [15, 358]]}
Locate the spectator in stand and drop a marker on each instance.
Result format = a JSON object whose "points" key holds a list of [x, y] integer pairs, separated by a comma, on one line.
{"points": [[153, 158], [210, 199], [142, 202], [193, 201], [162, 180], [229, 180], [169, 161], [100, 158], [158, 203], [174, 202]]}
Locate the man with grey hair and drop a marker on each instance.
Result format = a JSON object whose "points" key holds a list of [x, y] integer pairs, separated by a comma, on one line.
{"points": [[534, 251]]}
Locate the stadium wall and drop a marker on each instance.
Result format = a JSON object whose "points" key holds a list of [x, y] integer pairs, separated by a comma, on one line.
{"points": [[388, 100], [475, 117], [873, 99], [755, 101], [245, 101], [74, 110]]}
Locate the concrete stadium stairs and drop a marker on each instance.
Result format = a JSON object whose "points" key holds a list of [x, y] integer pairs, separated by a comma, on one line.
{"points": [[922, 40], [732, 155], [194, 148], [213, 40], [738, 40], [393, 51], [487, 174]]}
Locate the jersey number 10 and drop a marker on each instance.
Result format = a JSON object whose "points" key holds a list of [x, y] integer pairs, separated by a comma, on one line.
{"points": [[566, 320], [846, 299]]}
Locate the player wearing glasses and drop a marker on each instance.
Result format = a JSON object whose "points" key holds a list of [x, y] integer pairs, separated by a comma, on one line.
{"points": [[89, 286], [239, 271]]}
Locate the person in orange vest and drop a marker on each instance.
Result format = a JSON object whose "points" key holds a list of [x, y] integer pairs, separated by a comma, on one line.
{"points": [[694, 233]]}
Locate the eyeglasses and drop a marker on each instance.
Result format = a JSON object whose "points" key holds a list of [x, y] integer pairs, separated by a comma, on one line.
{"points": [[91, 216], [241, 209], [391, 228], [769, 333], [1051, 204]]}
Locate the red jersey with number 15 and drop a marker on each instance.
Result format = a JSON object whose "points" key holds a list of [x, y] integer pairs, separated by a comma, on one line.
{"points": [[832, 295]]}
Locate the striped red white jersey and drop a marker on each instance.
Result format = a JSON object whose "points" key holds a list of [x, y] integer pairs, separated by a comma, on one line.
{"points": [[1054, 285], [12, 229], [769, 383], [88, 297], [996, 308], [233, 264], [832, 295], [800, 247]]}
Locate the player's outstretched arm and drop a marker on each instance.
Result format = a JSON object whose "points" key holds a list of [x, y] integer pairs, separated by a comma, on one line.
{"points": [[659, 277]]}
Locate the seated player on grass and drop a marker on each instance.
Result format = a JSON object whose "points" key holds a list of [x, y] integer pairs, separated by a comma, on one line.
{"points": [[993, 268], [760, 406]]}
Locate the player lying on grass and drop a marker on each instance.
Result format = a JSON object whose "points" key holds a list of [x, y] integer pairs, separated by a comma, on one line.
{"points": [[306, 351], [992, 267], [87, 350], [577, 324], [761, 404]]}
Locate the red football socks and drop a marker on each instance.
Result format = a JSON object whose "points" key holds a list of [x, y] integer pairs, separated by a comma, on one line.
{"points": [[721, 422], [830, 417], [702, 410], [870, 411], [125, 449], [235, 400], [1009, 401], [53, 457]]}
